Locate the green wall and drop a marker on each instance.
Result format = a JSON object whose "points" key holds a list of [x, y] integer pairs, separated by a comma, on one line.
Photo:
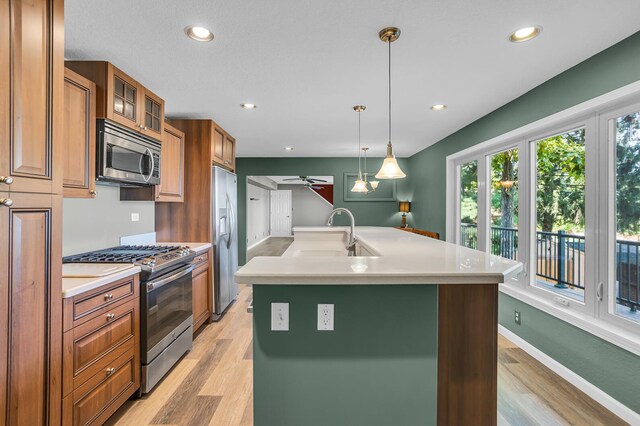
{"points": [[377, 213], [605, 365], [378, 367], [612, 369]]}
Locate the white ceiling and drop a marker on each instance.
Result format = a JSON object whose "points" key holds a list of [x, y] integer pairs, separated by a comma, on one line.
{"points": [[305, 63], [280, 180]]}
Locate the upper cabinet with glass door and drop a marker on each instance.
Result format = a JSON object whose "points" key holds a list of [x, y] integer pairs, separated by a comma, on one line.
{"points": [[122, 99]]}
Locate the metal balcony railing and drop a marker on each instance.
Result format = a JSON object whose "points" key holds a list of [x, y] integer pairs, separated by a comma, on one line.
{"points": [[560, 259]]}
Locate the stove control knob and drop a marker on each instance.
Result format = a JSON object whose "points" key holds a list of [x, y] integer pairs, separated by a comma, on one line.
{"points": [[145, 262]]}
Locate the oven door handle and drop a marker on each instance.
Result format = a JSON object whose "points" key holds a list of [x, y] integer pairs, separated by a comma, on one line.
{"points": [[154, 285]]}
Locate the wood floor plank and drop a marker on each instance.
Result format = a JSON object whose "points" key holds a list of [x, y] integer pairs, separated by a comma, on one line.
{"points": [[178, 408]]}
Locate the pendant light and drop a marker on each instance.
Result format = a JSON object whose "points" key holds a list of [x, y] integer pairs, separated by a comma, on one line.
{"points": [[390, 168], [373, 183], [360, 185]]}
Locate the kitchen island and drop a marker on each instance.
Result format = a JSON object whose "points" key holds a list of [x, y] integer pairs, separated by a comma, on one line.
{"points": [[414, 339]]}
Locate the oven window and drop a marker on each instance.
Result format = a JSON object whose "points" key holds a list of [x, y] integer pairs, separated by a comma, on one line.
{"points": [[127, 160], [167, 307]]}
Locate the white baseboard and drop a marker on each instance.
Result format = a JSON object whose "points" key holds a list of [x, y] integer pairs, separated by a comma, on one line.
{"points": [[606, 400], [258, 242]]}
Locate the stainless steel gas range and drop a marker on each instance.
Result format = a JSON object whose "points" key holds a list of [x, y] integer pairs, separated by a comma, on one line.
{"points": [[166, 299]]}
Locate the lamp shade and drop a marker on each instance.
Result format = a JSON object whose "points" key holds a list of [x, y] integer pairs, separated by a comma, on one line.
{"points": [[405, 206], [390, 168], [360, 186]]}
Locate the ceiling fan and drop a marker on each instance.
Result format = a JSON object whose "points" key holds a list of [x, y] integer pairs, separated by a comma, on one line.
{"points": [[307, 179]]}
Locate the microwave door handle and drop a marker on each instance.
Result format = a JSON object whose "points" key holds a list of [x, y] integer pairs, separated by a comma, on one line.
{"points": [[147, 151]]}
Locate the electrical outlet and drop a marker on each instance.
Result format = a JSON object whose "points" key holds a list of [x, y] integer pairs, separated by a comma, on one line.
{"points": [[279, 317], [135, 217], [325, 317], [517, 316]]}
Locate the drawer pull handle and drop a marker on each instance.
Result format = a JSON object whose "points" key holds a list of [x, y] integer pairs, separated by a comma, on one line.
{"points": [[110, 317], [200, 259], [7, 180], [110, 371], [108, 296], [7, 202]]}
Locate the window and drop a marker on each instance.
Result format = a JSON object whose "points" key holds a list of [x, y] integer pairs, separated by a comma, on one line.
{"points": [[561, 195], [560, 214], [468, 209], [626, 251], [503, 235]]}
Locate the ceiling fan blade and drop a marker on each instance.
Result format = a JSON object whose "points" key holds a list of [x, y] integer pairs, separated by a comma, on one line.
{"points": [[316, 180], [293, 179]]}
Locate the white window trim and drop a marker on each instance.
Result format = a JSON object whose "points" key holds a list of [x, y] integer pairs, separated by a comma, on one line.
{"points": [[593, 319]]}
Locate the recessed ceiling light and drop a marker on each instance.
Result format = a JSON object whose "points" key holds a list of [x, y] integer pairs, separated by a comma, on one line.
{"points": [[525, 34], [198, 33], [288, 148], [249, 106], [438, 107]]}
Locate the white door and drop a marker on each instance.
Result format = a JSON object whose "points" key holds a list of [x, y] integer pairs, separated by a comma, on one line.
{"points": [[281, 213]]}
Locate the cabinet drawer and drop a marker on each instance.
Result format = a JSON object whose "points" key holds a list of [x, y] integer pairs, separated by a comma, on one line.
{"points": [[100, 396], [202, 258], [86, 306], [88, 348]]}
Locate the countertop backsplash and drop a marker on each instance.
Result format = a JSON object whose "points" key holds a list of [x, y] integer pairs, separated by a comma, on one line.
{"points": [[92, 224]]}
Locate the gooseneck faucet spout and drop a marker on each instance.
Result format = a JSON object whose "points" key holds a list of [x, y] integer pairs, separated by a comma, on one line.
{"points": [[351, 245]]}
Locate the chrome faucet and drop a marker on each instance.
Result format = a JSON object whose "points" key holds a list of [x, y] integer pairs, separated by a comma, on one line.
{"points": [[351, 245]]}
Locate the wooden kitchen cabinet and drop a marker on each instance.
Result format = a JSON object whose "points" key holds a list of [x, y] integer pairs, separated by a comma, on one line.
{"points": [[31, 111], [121, 99], [31, 64], [171, 187], [201, 285], [101, 351], [31, 303], [223, 149], [79, 136]]}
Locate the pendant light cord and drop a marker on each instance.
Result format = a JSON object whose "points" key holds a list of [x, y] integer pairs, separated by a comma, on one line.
{"points": [[389, 41]]}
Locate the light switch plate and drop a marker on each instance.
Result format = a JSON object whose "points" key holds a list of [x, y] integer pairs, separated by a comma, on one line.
{"points": [[279, 317], [325, 317], [135, 217]]}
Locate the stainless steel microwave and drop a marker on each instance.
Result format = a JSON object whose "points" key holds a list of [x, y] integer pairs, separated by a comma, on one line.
{"points": [[125, 157]]}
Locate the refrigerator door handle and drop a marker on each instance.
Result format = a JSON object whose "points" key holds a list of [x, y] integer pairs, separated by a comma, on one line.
{"points": [[231, 223]]}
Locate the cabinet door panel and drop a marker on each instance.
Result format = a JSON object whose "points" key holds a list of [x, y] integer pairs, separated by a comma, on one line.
{"points": [[30, 150], [151, 113], [30, 232], [172, 166], [229, 152], [123, 98], [79, 136], [200, 285], [217, 147]]}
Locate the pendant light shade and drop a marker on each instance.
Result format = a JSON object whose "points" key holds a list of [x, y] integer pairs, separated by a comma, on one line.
{"points": [[390, 168], [360, 185]]}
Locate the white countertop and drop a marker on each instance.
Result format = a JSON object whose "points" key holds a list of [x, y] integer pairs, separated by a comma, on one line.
{"points": [[402, 258], [74, 286]]}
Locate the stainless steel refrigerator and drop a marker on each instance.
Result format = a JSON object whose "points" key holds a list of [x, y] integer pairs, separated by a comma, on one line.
{"points": [[225, 238]]}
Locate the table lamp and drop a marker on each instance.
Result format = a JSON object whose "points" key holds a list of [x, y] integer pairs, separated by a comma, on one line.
{"points": [[405, 207]]}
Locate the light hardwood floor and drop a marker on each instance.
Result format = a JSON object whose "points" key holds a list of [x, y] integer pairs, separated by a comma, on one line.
{"points": [[213, 385], [274, 246]]}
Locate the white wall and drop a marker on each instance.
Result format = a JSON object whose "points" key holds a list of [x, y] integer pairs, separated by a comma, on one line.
{"points": [[257, 213], [92, 224], [309, 208]]}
